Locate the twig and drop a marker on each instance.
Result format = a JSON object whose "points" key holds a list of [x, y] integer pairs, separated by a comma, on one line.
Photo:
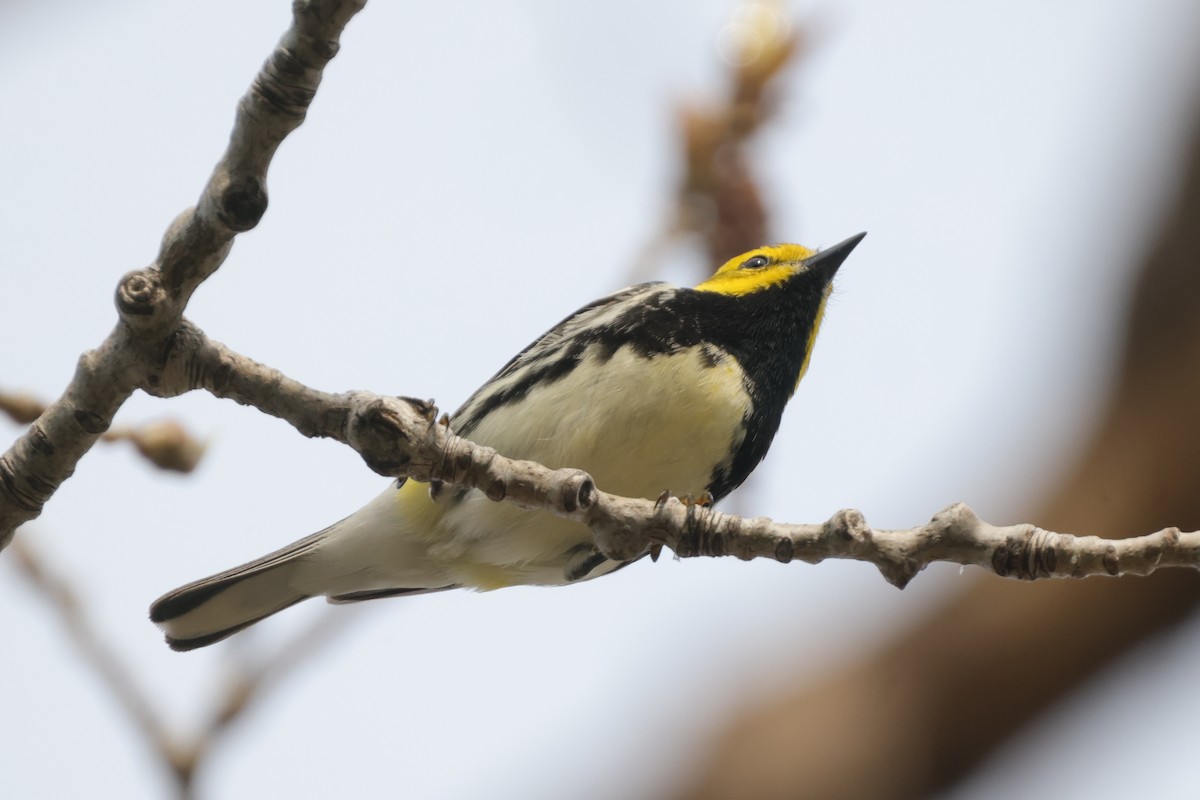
{"points": [[58, 593], [249, 685], [254, 681], [164, 443], [719, 198], [182, 756], [21, 407], [955, 535]]}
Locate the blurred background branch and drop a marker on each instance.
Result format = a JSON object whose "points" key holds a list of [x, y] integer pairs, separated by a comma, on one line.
{"points": [[181, 755], [718, 201], [927, 707], [166, 444], [904, 717], [719, 197]]}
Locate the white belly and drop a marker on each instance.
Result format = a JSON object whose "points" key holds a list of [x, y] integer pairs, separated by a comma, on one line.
{"points": [[638, 426]]}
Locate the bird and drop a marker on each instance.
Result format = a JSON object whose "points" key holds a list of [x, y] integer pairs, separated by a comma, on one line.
{"points": [[652, 388]]}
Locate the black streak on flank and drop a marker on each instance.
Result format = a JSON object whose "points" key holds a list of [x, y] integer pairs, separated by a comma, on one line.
{"points": [[765, 331], [709, 357]]}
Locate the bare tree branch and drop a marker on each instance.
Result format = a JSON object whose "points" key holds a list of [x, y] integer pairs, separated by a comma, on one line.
{"points": [[252, 682], [151, 301], [719, 197], [399, 436], [181, 755], [155, 349], [164, 443], [121, 683]]}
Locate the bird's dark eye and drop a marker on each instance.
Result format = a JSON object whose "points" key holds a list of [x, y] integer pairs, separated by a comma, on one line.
{"points": [[757, 262]]}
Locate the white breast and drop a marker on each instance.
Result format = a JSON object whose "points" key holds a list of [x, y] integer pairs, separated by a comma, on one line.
{"points": [[637, 425]]}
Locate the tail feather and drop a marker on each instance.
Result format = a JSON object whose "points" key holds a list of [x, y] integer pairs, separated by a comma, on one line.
{"points": [[372, 553], [376, 594], [212, 608]]}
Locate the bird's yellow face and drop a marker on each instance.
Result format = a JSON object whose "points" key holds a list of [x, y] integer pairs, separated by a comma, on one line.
{"points": [[758, 269]]}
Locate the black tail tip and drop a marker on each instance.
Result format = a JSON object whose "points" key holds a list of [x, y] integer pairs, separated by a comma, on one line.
{"points": [[196, 642], [184, 645], [184, 599], [204, 640]]}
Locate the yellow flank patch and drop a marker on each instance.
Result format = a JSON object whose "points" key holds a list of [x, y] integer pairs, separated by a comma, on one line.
{"points": [[486, 577], [757, 269], [418, 507], [410, 495]]}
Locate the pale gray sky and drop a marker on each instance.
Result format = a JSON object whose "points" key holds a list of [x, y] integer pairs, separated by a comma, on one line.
{"points": [[469, 161]]}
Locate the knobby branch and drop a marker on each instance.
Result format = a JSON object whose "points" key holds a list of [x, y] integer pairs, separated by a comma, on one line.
{"points": [[155, 349]]}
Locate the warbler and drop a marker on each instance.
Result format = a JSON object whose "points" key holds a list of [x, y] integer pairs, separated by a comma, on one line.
{"points": [[652, 388]]}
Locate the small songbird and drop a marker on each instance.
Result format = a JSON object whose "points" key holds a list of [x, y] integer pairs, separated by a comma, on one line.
{"points": [[652, 388]]}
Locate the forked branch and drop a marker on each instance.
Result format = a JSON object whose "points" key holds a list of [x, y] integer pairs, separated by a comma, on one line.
{"points": [[151, 301]]}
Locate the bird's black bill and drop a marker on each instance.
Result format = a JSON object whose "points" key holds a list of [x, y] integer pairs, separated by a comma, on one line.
{"points": [[828, 260]]}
